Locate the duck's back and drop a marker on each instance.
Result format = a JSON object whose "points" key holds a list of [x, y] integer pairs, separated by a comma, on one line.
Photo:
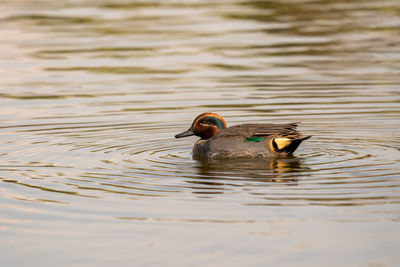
{"points": [[250, 141]]}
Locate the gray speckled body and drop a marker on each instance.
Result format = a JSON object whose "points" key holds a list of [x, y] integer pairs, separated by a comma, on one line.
{"points": [[233, 142], [232, 147]]}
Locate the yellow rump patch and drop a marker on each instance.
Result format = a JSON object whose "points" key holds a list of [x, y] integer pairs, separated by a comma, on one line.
{"points": [[282, 142]]}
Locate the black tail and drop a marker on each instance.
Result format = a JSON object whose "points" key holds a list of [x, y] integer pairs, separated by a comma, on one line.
{"points": [[287, 145]]}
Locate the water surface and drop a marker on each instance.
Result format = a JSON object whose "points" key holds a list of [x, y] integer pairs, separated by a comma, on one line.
{"points": [[93, 92]]}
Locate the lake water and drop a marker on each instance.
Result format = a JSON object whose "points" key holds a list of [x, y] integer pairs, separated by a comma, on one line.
{"points": [[93, 92]]}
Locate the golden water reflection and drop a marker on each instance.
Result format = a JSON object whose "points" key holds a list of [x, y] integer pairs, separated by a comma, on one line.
{"points": [[217, 171]]}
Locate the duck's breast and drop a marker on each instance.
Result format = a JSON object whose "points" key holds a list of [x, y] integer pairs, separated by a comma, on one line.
{"points": [[201, 148]]}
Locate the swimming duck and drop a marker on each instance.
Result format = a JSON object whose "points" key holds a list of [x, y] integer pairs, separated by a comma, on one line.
{"points": [[242, 141]]}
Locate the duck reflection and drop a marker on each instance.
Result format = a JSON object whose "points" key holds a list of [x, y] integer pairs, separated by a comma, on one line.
{"points": [[215, 175]]}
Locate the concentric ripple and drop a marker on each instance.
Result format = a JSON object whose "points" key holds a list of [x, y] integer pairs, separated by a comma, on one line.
{"points": [[141, 160]]}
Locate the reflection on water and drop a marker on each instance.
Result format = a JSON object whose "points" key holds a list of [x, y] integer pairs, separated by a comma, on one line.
{"points": [[269, 170], [91, 95], [215, 176]]}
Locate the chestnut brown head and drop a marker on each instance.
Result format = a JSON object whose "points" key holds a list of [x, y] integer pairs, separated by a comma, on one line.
{"points": [[206, 125]]}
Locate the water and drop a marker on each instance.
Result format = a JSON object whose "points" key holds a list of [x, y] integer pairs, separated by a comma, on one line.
{"points": [[93, 92]]}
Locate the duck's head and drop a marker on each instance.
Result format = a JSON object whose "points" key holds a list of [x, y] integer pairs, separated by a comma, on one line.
{"points": [[205, 125]]}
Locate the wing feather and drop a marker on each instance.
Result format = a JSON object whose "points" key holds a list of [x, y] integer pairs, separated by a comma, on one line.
{"points": [[262, 130]]}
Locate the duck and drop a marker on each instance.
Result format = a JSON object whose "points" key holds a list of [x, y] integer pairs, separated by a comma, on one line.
{"points": [[264, 140]]}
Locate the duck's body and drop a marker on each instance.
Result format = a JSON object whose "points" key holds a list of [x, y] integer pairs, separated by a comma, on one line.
{"points": [[242, 141]]}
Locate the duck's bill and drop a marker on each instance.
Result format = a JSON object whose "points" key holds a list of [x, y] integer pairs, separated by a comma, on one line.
{"points": [[188, 132]]}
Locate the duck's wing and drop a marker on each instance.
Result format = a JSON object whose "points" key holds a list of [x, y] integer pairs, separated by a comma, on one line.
{"points": [[284, 137], [262, 130]]}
